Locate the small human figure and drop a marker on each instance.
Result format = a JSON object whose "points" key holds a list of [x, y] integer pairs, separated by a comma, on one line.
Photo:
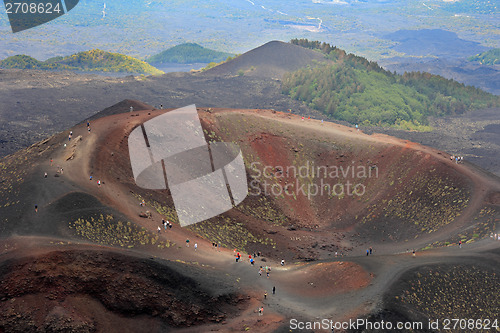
{"points": [[90, 177], [357, 127], [460, 243], [161, 106], [159, 229], [367, 252], [414, 252], [51, 161], [260, 311], [45, 175], [274, 290], [187, 242], [251, 261], [265, 295], [267, 273], [36, 208], [282, 262], [62, 171], [371, 250], [195, 246], [99, 183]]}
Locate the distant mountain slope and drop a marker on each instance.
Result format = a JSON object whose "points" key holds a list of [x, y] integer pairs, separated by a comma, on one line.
{"points": [[93, 60], [358, 91], [471, 73], [270, 60], [435, 42], [188, 53], [21, 62], [490, 57]]}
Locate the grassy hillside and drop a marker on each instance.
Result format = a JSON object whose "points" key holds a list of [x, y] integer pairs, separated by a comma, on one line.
{"points": [[490, 57], [359, 91], [93, 60], [188, 53]]}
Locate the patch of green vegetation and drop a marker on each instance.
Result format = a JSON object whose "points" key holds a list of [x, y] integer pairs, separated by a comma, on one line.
{"points": [[263, 209], [452, 291], [93, 60], [483, 227], [21, 62], [105, 230], [228, 233], [490, 57], [356, 90], [188, 53], [423, 202]]}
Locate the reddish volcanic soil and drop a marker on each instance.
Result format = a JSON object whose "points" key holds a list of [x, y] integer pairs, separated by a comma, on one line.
{"points": [[57, 274], [326, 279]]}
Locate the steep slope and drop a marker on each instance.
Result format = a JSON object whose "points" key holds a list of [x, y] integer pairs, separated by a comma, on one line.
{"points": [[270, 60], [188, 53]]}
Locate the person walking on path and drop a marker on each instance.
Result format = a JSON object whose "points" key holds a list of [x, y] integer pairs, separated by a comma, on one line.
{"points": [[159, 230], [371, 250], [187, 242], [195, 246], [36, 208], [367, 252], [460, 243], [413, 252], [265, 295], [274, 290]]}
